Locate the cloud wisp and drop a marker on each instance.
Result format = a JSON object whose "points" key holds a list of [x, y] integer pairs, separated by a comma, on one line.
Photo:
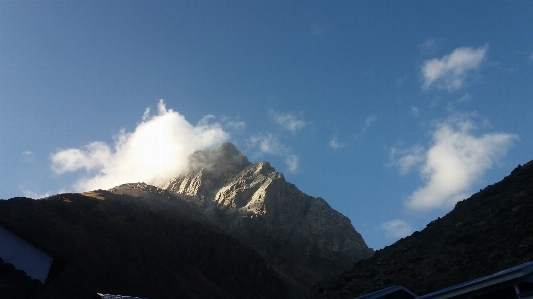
{"points": [[454, 161], [335, 144], [270, 144], [156, 150], [449, 72], [287, 121], [396, 229], [368, 123]]}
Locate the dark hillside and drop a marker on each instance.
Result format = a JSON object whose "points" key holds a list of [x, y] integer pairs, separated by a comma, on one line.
{"points": [[488, 232], [119, 244]]}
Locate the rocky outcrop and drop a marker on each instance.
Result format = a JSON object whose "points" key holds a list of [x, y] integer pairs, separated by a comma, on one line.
{"points": [[486, 233], [301, 236]]}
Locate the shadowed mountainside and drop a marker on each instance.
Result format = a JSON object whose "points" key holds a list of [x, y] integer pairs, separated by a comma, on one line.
{"points": [[486, 233], [137, 246], [223, 228]]}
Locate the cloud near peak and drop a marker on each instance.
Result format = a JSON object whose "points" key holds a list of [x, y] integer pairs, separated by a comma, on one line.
{"points": [[287, 121], [450, 71], [454, 161], [156, 150], [270, 144]]}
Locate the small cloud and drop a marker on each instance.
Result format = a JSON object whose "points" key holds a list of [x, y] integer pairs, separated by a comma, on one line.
{"points": [[267, 144], [334, 143], [287, 121], [463, 99], [270, 144], [415, 111], [27, 156], [429, 46], [292, 162], [450, 71], [236, 125], [407, 159], [316, 30], [146, 114], [530, 57], [156, 150], [452, 163], [396, 229], [34, 195], [368, 123]]}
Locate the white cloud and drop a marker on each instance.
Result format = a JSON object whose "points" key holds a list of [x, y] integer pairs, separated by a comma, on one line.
{"points": [[156, 150], [415, 111], [451, 105], [334, 143], [27, 156], [236, 125], [368, 123], [287, 121], [407, 159], [270, 144], [450, 71], [531, 57], [452, 163], [292, 162], [35, 195], [316, 30], [395, 229], [429, 46]]}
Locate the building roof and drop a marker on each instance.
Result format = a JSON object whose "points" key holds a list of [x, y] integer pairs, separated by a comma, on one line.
{"points": [[58, 263], [109, 296], [383, 293], [520, 273]]}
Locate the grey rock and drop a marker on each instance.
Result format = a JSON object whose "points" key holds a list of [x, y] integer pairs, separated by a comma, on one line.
{"points": [[301, 236]]}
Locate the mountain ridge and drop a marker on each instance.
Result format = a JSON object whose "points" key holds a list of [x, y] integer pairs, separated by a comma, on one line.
{"points": [[490, 231], [301, 235], [222, 228]]}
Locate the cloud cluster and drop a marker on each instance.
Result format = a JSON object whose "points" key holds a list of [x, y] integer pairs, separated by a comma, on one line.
{"points": [[270, 144], [450, 71], [395, 229], [156, 150], [453, 162]]}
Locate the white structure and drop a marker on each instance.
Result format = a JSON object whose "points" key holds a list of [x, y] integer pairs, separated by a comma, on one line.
{"points": [[24, 256]]}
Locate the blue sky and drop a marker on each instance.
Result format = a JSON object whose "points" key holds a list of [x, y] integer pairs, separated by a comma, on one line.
{"points": [[391, 111]]}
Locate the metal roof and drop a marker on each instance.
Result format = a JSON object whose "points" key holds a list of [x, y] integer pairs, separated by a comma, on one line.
{"points": [[383, 292], [523, 271]]}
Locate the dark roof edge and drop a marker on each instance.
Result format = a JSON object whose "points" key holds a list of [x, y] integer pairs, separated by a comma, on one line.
{"points": [[386, 291], [511, 273]]}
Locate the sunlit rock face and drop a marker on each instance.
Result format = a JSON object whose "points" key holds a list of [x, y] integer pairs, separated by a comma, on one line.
{"points": [[301, 236]]}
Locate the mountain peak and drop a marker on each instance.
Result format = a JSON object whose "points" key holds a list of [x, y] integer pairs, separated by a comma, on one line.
{"points": [[221, 159]]}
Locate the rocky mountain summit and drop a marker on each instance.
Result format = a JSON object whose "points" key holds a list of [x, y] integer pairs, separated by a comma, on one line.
{"points": [[222, 228], [486, 233], [301, 236]]}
